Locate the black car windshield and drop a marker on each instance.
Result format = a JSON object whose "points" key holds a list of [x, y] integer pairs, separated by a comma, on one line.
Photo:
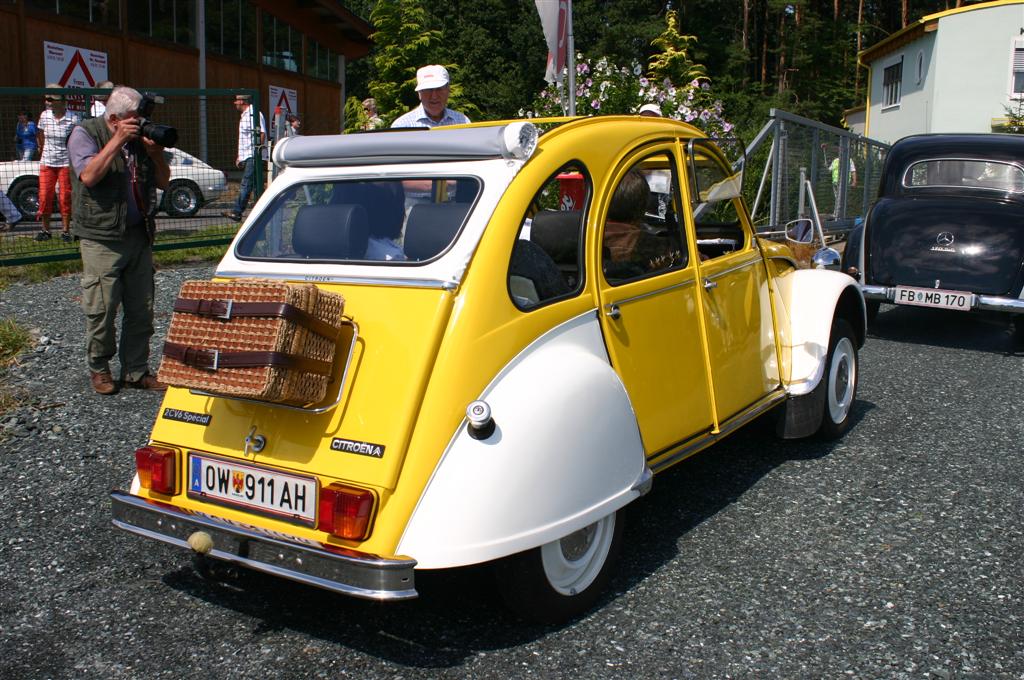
{"points": [[965, 173], [397, 221]]}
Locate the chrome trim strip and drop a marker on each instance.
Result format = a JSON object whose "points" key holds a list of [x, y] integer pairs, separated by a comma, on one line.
{"points": [[730, 270], [877, 292], [304, 409], [648, 294], [995, 303], [353, 280], [672, 455], [369, 577], [1000, 304]]}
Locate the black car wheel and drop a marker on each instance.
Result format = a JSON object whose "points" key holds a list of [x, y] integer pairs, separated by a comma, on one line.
{"points": [[871, 308], [182, 199], [25, 195], [562, 579]]}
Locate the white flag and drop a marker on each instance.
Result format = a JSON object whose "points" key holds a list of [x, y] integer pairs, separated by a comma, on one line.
{"points": [[554, 18]]}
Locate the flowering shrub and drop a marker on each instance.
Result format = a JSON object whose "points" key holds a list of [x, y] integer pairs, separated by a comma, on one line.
{"points": [[604, 88]]}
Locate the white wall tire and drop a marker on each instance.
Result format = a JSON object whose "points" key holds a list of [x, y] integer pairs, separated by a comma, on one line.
{"points": [[839, 381], [562, 579]]}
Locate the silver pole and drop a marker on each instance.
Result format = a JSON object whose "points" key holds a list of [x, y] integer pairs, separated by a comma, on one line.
{"points": [[571, 63], [201, 43]]}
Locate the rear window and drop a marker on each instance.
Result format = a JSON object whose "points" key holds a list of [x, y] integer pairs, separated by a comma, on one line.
{"points": [[965, 173], [397, 221]]}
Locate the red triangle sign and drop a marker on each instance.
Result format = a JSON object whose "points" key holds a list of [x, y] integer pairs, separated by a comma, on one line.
{"points": [[76, 60]]}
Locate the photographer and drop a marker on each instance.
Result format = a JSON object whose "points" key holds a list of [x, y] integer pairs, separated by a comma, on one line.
{"points": [[115, 172]]}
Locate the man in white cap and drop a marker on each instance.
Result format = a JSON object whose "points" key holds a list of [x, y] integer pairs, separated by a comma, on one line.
{"points": [[432, 89], [650, 110]]}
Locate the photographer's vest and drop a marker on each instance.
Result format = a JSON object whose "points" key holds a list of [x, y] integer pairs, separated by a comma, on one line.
{"points": [[101, 211]]}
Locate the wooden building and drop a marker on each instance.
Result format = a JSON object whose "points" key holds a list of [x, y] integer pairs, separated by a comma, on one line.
{"points": [[299, 45]]}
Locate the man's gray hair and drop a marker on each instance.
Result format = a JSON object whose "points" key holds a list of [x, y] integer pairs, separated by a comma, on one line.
{"points": [[122, 101]]}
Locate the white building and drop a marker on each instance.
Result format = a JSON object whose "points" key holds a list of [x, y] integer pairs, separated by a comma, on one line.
{"points": [[952, 71]]}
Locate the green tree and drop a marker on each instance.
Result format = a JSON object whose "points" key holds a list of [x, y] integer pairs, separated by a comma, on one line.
{"points": [[403, 40], [673, 60]]}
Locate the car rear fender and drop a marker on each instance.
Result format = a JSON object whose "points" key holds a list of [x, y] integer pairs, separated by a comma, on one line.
{"points": [[813, 298], [565, 452]]}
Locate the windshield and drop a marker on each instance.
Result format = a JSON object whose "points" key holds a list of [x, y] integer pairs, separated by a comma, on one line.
{"points": [[398, 221], [958, 172]]}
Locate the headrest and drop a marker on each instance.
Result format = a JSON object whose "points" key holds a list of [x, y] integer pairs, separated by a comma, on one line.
{"points": [[558, 232], [431, 227], [384, 203], [335, 232]]}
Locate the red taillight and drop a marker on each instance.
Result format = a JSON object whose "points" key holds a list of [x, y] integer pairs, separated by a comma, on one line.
{"points": [[345, 512], [157, 467]]}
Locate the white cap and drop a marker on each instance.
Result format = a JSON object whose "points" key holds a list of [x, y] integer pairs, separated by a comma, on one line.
{"points": [[430, 77], [650, 108]]}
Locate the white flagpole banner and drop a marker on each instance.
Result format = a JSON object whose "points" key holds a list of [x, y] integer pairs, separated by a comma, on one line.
{"points": [[554, 19]]}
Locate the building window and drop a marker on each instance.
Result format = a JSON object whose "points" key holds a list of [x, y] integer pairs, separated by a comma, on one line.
{"points": [[231, 29], [1018, 71], [282, 44], [321, 62], [892, 81], [170, 20], [102, 12]]}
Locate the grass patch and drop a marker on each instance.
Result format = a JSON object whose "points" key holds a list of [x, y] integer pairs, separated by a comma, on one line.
{"points": [[13, 341], [44, 271]]}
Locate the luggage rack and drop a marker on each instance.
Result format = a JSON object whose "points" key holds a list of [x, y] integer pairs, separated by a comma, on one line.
{"points": [[308, 408]]}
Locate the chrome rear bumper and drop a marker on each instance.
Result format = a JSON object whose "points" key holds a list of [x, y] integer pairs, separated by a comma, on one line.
{"points": [[992, 303], [365, 576]]}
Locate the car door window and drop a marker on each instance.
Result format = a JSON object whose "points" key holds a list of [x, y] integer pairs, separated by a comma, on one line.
{"points": [[716, 209], [641, 234], [546, 263]]}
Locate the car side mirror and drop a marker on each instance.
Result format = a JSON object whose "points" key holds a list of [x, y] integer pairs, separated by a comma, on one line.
{"points": [[800, 231], [827, 258]]}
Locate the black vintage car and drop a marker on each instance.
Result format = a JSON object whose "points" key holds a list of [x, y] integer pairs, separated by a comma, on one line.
{"points": [[947, 230]]}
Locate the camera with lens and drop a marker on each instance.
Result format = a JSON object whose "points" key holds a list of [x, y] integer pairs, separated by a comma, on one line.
{"points": [[164, 135]]}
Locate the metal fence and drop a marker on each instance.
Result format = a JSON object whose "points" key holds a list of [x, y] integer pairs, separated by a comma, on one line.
{"points": [[842, 167], [204, 177]]}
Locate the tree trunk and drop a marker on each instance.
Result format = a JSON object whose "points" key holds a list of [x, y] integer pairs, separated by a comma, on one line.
{"points": [[905, 14], [745, 40], [856, 68], [764, 46]]}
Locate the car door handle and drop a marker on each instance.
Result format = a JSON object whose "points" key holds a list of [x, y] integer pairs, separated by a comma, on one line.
{"points": [[613, 312], [709, 284]]}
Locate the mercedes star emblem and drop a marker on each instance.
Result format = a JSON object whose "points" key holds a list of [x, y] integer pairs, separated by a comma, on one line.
{"points": [[944, 238]]}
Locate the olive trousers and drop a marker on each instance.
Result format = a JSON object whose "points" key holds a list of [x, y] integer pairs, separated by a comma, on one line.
{"points": [[118, 274]]}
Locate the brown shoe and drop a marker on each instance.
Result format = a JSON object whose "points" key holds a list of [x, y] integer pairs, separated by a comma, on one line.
{"points": [[103, 382], [146, 382]]}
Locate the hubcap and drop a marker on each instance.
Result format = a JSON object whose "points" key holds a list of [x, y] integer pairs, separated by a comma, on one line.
{"points": [[183, 199], [572, 563], [841, 380]]}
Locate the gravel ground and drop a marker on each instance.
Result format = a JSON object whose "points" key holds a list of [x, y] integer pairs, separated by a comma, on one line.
{"points": [[893, 553]]}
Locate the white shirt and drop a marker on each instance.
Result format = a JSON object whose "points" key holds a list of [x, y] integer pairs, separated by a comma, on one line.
{"points": [[98, 109], [418, 118], [245, 135], [55, 137]]}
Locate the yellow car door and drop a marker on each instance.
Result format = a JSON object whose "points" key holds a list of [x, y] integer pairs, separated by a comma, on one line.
{"points": [[733, 286], [649, 299]]}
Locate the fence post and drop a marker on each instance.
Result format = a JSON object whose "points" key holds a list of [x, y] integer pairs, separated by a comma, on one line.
{"points": [[844, 176], [777, 174]]}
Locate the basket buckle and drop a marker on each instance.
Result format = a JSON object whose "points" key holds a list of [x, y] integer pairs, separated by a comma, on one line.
{"points": [[215, 364], [226, 316]]}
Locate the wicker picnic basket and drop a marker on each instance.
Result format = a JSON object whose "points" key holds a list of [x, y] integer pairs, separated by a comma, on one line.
{"points": [[253, 338]]}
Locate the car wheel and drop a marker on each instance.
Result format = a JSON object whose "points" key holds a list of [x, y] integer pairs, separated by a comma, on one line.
{"points": [[871, 309], [25, 195], [839, 381], [562, 579], [182, 199]]}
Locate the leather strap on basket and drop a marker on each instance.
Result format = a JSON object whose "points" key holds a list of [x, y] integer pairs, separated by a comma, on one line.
{"points": [[212, 359], [228, 309]]}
